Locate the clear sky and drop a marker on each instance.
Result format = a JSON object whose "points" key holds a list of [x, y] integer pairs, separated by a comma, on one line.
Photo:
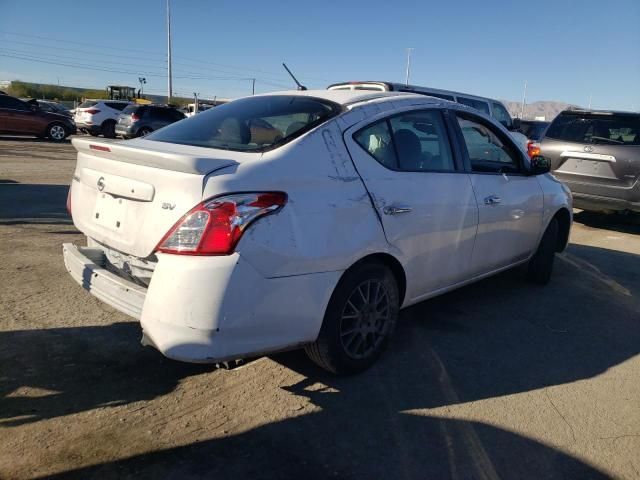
{"points": [[566, 50]]}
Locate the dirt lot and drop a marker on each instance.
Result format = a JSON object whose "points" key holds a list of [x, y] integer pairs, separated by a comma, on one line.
{"points": [[500, 379]]}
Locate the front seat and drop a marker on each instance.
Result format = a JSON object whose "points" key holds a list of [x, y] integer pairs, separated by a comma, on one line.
{"points": [[409, 150]]}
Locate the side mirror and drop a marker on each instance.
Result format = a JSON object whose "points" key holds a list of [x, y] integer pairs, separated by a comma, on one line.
{"points": [[515, 125], [34, 107], [540, 165]]}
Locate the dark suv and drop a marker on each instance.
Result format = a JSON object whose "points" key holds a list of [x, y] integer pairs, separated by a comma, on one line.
{"points": [[597, 154], [22, 118], [140, 120]]}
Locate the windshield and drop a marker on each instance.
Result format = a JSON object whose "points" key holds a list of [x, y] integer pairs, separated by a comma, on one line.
{"points": [[250, 124], [612, 129]]}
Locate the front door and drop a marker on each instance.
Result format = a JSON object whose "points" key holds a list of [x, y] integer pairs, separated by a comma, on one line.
{"points": [[510, 202], [423, 197]]}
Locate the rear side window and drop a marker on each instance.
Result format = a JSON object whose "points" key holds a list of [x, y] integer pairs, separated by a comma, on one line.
{"points": [[533, 130], [88, 104], [596, 129], [477, 104], [13, 103], [133, 109], [409, 142], [232, 126]]}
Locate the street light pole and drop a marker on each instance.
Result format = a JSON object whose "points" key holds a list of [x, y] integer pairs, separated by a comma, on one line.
{"points": [[170, 89], [409, 50], [524, 99]]}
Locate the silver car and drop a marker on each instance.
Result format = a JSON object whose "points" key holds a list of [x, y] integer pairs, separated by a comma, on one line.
{"points": [[597, 154]]}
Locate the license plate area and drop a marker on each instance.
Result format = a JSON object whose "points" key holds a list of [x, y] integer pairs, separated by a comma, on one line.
{"points": [[587, 168], [109, 212]]}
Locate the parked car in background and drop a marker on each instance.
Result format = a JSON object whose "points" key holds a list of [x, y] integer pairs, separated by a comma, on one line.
{"points": [[534, 131], [190, 109], [18, 117], [597, 154], [493, 108], [98, 117], [140, 120], [370, 202]]}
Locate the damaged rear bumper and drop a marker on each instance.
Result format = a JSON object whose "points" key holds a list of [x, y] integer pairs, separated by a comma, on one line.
{"points": [[86, 266]]}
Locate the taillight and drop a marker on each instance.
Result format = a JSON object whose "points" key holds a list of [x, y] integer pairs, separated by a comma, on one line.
{"points": [[69, 200], [134, 118], [92, 111], [215, 226], [533, 149]]}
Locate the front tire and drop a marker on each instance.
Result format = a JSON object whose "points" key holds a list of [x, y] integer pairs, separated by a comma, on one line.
{"points": [[541, 264], [359, 320], [56, 132], [109, 129]]}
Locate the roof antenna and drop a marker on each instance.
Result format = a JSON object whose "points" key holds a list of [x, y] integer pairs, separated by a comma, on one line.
{"points": [[300, 86]]}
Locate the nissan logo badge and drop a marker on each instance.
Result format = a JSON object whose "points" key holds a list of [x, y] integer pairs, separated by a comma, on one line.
{"points": [[101, 183]]}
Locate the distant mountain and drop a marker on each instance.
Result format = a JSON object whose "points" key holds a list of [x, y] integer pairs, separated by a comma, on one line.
{"points": [[546, 109]]}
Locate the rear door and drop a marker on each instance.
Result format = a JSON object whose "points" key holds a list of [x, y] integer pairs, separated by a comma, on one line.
{"points": [[596, 153], [423, 198], [510, 202]]}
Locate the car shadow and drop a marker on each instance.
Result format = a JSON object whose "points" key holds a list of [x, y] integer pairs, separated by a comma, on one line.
{"points": [[79, 369], [498, 337], [22, 203], [619, 222], [27, 139]]}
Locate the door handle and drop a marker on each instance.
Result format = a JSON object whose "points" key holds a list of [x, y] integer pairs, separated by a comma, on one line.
{"points": [[392, 210], [492, 200]]}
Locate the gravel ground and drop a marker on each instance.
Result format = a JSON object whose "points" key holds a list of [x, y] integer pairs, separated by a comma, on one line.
{"points": [[500, 379]]}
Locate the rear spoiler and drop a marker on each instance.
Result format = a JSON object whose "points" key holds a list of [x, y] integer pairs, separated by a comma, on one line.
{"points": [[166, 156]]}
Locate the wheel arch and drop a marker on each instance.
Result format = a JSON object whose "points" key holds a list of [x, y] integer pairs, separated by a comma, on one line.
{"points": [[564, 228], [390, 262]]}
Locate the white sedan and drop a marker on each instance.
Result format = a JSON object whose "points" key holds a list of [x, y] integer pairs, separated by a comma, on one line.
{"points": [[227, 247]]}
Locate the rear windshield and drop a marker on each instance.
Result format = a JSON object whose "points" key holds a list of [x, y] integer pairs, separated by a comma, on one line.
{"points": [[250, 124], [597, 129], [533, 131], [87, 104], [133, 109]]}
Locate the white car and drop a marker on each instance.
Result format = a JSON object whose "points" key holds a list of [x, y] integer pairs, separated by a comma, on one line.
{"points": [[99, 117], [368, 202]]}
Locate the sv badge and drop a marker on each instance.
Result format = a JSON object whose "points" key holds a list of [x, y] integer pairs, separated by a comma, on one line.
{"points": [[168, 206]]}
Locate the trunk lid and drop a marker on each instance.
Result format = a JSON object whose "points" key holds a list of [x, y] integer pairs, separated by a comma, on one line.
{"points": [[127, 195]]}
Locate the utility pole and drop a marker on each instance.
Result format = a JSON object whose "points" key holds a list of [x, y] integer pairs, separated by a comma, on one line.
{"points": [[589, 107], [524, 100], [409, 50], [170, 89], [253, 86], [195, 102]]}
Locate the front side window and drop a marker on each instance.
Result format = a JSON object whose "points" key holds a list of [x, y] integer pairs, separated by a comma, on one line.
{"points": [[250, 124], [596, 129], [409, 142], [500, 113], [487, 152], [477, 104]]}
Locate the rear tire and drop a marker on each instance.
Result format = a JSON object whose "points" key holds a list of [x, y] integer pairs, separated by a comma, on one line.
{"points": [[541, 264], [57, 132], [359, 320], [109, 129]]}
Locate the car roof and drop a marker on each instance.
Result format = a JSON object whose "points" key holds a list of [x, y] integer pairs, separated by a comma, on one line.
{"points": [[345, 97]]}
